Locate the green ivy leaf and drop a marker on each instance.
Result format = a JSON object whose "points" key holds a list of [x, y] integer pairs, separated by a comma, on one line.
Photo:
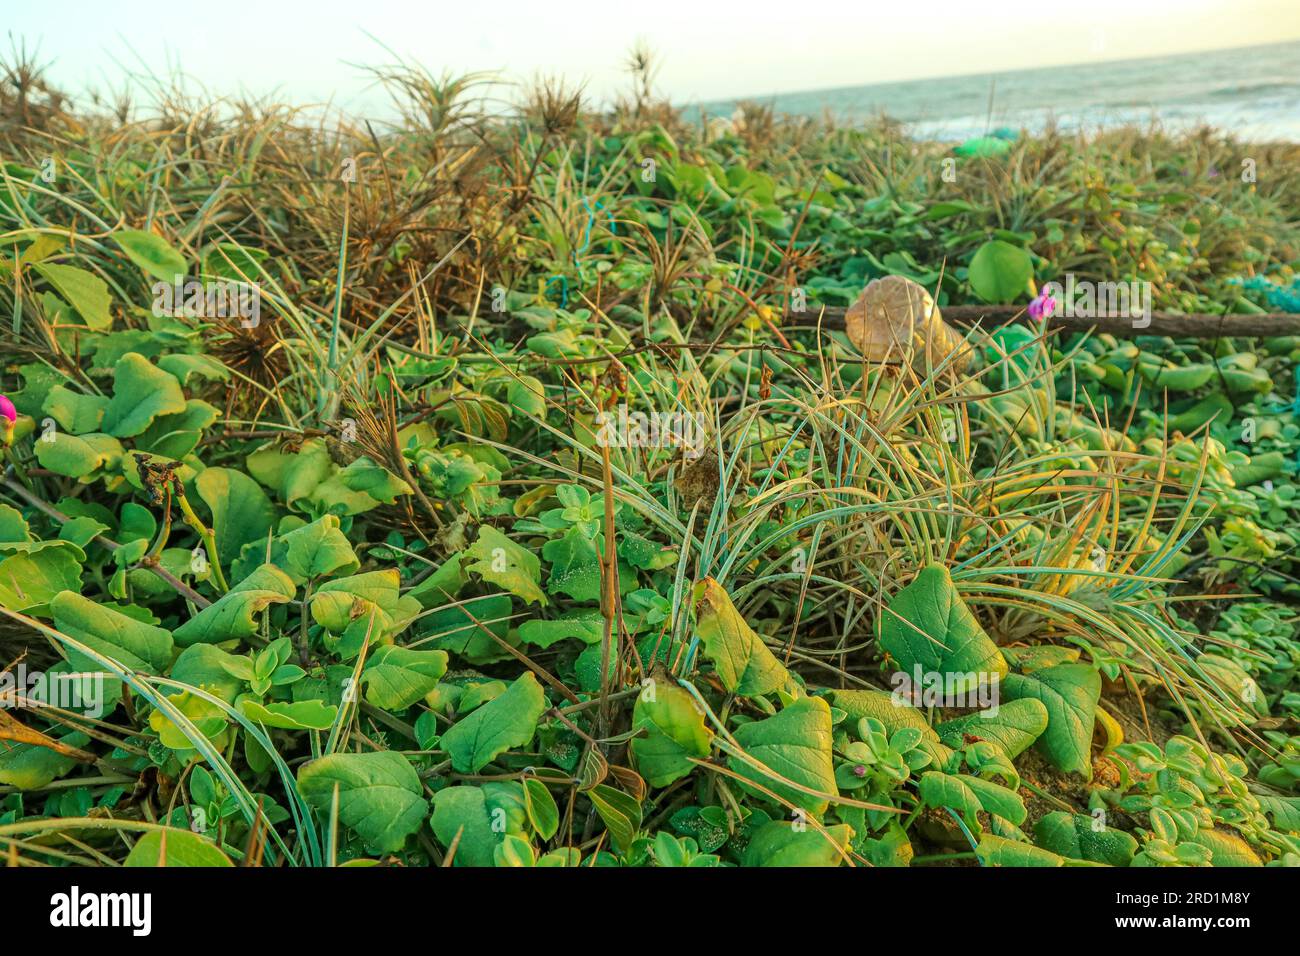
{"points": [[779, 844], [396, 677], [505, 722], [796, 744], [507, 565], [141, 392], [743, 663], [134, 644], [927, 625], [379, 795], [1070, 693], [1013, 727]]}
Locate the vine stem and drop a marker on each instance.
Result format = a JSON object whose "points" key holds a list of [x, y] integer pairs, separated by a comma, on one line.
{"points": [[205, 533], [180, 586]]}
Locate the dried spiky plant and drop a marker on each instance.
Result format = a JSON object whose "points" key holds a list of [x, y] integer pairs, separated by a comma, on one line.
{"points": [[642, 64], [256, 355], [374, 411], [27, 101], [552, 106]]}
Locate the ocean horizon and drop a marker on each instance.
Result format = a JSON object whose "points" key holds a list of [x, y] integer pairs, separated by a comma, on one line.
{"points": [[1251, 92]]}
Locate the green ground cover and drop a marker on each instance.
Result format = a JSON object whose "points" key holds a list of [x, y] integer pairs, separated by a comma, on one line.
{"points": [[363, 578]]}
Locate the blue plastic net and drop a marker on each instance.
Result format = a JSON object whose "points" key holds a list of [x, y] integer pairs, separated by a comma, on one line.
{"points": [[1280, 298]]}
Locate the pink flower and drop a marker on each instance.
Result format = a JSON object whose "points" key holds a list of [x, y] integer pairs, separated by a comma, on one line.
{"points": [[1042, 307], [7, 410]]}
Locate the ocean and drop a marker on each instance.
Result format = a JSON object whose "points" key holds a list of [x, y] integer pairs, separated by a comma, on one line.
{"points": [[1253, 92]]}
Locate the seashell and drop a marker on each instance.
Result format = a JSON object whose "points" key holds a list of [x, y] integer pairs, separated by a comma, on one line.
{"points": [[895, 319]]}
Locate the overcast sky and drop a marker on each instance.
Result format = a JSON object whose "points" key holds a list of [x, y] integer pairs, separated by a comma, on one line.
{"points": [[708, 50]]}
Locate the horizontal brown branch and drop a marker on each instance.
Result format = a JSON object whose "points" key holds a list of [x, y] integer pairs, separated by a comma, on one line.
{"points": [[1195, 326]]}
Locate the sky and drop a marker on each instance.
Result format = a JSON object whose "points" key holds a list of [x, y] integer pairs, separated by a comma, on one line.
{"points": [[708, 51]]}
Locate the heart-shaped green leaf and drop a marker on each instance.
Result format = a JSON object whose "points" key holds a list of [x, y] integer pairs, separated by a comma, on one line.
{"points": [[674, 731], [77, 456], [141, 392], [779, 844], [396, 677], [502, 723], [75, 412], [1083, 837], [316, 550], [1013, 726], [379, 795], [1070, 693], [132, 643], [928, 626], [794, 744]]}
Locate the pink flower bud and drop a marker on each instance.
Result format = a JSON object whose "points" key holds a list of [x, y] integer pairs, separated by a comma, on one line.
{"points": [[1042, 307]]}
